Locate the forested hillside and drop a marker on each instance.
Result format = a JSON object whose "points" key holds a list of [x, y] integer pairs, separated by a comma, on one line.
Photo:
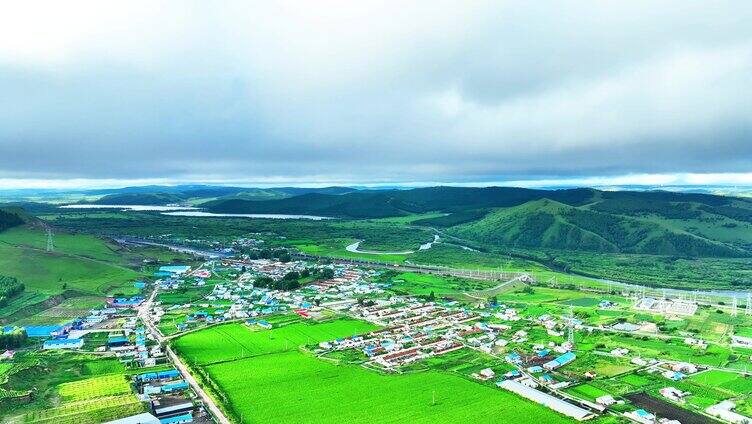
{"points": [[552, 225], [652, 222], [10, 218]]}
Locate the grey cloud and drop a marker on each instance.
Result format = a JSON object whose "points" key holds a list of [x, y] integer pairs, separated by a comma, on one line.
{"points": [[428, 91]]}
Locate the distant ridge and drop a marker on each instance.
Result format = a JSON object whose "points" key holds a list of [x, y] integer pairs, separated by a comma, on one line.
{"points": [[646, 222]]}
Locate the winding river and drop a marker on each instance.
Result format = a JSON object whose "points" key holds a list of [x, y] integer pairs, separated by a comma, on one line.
{"points": [[355, 248]]}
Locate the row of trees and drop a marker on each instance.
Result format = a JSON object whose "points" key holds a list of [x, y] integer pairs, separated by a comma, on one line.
{"points": [[291, 280], [13, 339], [10, 287], [8, 220], [281, 255]]}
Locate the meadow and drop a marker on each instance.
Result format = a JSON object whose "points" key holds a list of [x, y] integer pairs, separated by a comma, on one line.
{"points": [[68, 281]]}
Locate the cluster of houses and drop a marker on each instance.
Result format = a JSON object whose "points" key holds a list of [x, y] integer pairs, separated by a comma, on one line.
{"points": [[412, 331], [240, 299], [132, 345], [166, 394], [268, 267]]}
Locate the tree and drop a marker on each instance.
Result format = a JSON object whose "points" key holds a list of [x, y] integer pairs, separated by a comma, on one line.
{"points": [[292, 275], [432, 296], [493, 300], [327, 273], [263, 281], [12, 339]]}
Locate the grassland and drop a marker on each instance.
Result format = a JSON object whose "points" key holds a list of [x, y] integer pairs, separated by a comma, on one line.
{"points": [[67, 282], [84, 264], [261, 377]]}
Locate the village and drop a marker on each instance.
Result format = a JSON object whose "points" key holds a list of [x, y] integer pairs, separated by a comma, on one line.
{"points": [[540, 354]]}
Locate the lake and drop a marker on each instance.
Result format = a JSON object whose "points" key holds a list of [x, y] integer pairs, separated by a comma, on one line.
{"points": [[245, 215]]}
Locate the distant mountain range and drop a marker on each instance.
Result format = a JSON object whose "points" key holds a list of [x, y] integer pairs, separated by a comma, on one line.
{"points": [[690, 224], [648, 222], [164, 195]]}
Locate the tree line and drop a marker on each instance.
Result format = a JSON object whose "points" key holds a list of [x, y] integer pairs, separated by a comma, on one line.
{"points": [[10, 287]]}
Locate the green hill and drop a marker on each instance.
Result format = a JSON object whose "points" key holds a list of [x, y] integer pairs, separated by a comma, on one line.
{"points": [[651, 222], [140, 199], [388, 203], [548, 224]]}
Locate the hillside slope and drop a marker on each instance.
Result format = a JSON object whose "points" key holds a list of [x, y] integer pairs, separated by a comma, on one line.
{"points": [[387, 203], [546, 224], [12, 217]]}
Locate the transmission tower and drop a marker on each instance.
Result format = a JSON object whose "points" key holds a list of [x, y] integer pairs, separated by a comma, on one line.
{"points": [[748, 308], [733, 306], [50, 246]]}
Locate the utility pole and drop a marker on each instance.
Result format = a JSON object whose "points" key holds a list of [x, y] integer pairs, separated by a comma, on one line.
{"points": [[748, 308]]}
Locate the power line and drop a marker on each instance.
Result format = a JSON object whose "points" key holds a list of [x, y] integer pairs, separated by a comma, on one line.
{"points": [[50, 246]]}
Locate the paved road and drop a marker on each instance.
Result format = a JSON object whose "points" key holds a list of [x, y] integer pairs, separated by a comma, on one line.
{"points": [[493, 289], [208, 402], [143, 313]]}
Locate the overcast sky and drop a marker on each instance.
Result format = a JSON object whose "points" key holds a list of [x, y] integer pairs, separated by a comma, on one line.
{"points": [[368, 92]]}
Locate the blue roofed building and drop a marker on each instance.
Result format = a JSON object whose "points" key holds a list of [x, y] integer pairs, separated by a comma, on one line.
{"points": [[163, 375], [175, 269], [117, 341], [43, 330], [149, 376], [560, 361], [63, 344], [175, 387], [513, 357], [177, 419]]}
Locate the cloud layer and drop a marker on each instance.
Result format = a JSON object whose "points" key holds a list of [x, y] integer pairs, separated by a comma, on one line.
{"points": [[373, 91]]}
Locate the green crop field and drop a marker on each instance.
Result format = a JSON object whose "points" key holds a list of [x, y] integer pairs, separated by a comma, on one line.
{"points": [[729, 381], [90, 411], [422, 284], [277, 384], [67, 388], [279, 388], [63, 312], [586, 391], [90, 388], [232, 341]]}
